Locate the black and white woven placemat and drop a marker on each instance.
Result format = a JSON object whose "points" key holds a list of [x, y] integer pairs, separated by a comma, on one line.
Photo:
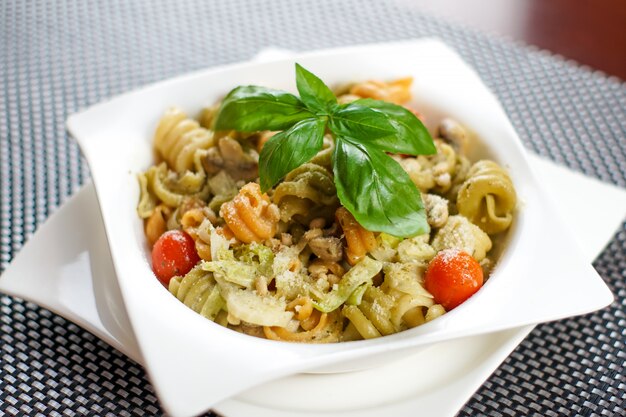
{"points": [[58, 57]]}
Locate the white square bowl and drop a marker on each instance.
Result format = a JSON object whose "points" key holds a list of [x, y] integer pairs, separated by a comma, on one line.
{"points": [[194, 363]]}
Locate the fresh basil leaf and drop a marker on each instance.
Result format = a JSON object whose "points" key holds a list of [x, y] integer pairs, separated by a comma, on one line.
{"points": [[356, 121], [287, 150], [411, 136], [251, 108], [313, 92], [376, 190]]}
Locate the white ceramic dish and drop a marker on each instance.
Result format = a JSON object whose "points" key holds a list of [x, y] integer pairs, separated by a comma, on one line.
{"points": [[77, 281], [115, 137]]}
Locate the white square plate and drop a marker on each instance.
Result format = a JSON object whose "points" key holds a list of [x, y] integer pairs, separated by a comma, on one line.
{"points": [[540, 276]]}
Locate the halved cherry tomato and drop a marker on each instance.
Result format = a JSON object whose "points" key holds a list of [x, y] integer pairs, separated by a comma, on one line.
{"points": [[452, 277], [174, 253]]}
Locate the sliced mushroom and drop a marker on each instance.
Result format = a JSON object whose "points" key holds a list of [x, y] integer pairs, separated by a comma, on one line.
{"points": [[327, 248], [229, 156]]}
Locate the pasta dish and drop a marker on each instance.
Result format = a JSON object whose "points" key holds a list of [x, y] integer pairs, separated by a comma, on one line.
{"points": [[294, 263]]}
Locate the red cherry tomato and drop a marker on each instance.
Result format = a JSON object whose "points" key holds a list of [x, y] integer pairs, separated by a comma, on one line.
{"points": [[452, 277], [174, 253]]}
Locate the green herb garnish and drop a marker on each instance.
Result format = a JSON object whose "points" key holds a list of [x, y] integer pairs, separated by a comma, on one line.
{"points": [[370, 184]]}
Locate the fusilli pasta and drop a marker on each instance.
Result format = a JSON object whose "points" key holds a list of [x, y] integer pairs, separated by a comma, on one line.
{"points": [[177, 139], [487, 197], [397, 91], [198, 291], [250, 215], [306, 193]]}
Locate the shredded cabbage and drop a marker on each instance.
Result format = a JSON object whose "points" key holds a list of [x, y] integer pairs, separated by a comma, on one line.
{"points": [[233, 271], [359, 274], [254, 309], [240, 268]]}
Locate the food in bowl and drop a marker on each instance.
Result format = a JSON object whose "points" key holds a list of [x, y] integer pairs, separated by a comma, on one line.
{"points": [[330, 217]]}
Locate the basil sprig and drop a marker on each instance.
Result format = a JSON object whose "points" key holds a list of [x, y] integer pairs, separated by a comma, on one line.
{"points": [[370, 184]]}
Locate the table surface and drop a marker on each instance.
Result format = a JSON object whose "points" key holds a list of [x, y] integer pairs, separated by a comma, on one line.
{"points": [[59, 57]]}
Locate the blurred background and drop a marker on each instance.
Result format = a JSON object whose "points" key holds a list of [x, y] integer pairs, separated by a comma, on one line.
{"points": [[591, 32]]}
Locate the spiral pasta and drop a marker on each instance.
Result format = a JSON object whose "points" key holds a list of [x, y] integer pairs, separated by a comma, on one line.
{"points": [[408, 293], [397, 91], [306, 193], [487, 197], [359, 241], [160, 184], [397, 304], [250, 215], [147, 199], [177, 139], [198, 291]]}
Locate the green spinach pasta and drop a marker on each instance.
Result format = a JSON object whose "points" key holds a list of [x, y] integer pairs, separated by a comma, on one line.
{"points": [[292, 263]]}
